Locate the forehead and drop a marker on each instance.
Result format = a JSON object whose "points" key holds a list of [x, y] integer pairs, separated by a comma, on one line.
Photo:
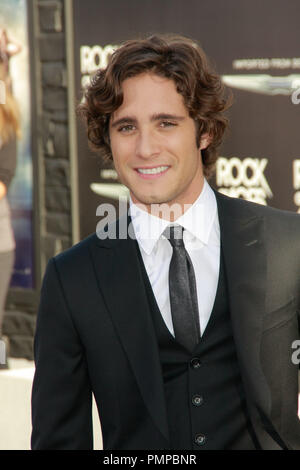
{"points": [[151, 93]]}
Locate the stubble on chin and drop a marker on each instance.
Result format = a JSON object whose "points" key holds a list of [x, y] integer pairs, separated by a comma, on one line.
{"points": [[164, 208]]}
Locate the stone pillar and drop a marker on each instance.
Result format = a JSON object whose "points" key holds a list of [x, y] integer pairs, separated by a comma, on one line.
{"points": [[57, 231]]}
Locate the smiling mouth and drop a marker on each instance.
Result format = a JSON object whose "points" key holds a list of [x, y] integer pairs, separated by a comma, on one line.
{"points": [[152, 171]]}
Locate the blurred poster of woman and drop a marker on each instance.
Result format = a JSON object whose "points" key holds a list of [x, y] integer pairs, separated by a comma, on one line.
{"points": [[15, 71], [8, 48], [9, 132]]}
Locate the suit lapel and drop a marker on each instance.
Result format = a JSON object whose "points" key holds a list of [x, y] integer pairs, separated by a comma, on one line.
{"points": [[243, 244], [121, 283]]}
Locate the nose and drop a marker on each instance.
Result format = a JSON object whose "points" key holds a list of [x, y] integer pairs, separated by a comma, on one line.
{"points": [[147, 145]]}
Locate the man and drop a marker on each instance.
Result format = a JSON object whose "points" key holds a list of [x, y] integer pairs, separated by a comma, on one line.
{"points": [[183, 331]]}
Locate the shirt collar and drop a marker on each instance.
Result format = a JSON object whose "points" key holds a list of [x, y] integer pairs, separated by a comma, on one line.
{"points": [[198, 220]]}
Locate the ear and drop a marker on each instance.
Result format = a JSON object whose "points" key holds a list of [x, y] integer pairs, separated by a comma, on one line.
{"points": [[205, 141]]}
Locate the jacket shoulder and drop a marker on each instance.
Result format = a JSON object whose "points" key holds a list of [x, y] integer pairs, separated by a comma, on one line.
{"points": [[259, 210], [77, 255]]}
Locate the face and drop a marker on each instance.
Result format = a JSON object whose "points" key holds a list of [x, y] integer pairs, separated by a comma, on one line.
{"points": [[153, 143]]}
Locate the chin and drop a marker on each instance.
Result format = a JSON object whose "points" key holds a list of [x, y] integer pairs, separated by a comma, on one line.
{"points": [[147, 200]]}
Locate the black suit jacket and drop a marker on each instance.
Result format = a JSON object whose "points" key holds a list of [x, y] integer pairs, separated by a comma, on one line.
{"points": [[95, 334]]}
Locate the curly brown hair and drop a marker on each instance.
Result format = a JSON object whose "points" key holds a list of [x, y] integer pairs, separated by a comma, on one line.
{"points": [[171, 56]]}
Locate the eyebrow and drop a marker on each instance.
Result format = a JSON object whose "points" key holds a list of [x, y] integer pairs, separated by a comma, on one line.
{"points": [[154, 117]]}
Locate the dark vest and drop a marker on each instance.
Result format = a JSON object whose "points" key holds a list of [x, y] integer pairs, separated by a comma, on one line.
{"points": [[204, 396]]}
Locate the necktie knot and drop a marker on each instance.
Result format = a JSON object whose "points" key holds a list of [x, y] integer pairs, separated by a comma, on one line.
{"points": [[174, 233]]}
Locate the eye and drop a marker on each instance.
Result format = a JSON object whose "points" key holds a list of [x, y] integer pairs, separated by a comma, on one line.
{"points": [[126, 128], [167, 124]]}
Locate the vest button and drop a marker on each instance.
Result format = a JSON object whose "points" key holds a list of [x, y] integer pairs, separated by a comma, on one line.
{"points": [[200, 439], [197, 400], [195, 363]]}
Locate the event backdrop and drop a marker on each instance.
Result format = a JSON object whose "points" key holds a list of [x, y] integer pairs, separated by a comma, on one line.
{"points": [[14, 18], [253, 45]]}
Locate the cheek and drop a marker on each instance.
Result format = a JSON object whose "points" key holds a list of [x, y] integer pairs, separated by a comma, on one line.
{"points": [[184, 143], [114, 144], [117, 152], [122, 149]]}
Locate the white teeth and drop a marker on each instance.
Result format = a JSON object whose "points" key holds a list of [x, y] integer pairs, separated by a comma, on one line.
{"points": [[152, 171]]}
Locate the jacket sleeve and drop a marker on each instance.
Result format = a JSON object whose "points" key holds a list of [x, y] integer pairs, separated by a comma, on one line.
{"points": [[61, 393]]}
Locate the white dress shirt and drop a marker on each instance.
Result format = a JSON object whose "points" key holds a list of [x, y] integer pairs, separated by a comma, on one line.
{"points": [[202, 241]]}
